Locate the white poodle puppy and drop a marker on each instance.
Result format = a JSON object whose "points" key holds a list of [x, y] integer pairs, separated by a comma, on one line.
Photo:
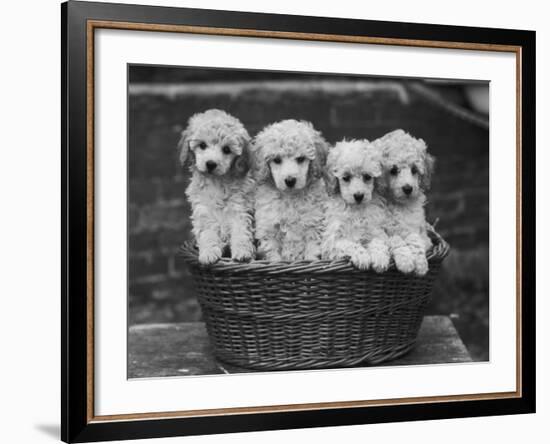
{"points": [[220, 192], [356, 214], [289, 157], [407, 171]]}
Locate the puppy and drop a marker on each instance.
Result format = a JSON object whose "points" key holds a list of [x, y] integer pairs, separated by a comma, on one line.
{"points": [[289, 157], [407, 171], [216, 146], [356, 214]]}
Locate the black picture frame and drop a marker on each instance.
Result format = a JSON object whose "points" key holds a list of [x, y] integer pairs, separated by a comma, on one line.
{"points": [[77, 424]]}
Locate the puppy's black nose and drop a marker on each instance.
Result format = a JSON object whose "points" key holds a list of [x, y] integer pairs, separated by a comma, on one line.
{"points": [[358, 197], [211, 165], [407, 189], [290, 181]]}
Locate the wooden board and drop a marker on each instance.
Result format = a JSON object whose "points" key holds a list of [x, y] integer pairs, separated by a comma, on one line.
{"points": [[183, 349]]}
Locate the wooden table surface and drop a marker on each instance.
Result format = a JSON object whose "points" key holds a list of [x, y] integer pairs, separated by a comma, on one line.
{"points": [[182, 349]]}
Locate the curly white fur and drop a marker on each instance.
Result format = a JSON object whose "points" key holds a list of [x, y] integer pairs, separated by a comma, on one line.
{"points": [[216, 146], [356, 214], [407, 171], [290, 196]]}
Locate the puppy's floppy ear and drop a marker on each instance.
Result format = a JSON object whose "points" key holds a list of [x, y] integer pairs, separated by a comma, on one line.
{"points": [[242, 163], [183, 148], [259, 163], [381, 183], [242, 137], [375, 156], [317, 165], [263, 149], [331, 181], [185, 153], [429, 164]]}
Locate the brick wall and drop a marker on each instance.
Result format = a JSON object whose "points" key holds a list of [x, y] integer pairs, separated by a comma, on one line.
{"points": [[160, 287]]}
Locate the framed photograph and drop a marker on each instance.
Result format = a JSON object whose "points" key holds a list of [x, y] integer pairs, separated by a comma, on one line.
{"points": [[276, 221]]}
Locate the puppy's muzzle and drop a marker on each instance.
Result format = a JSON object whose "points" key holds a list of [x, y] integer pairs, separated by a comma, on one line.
{"points": [[407, 189], [358, 197], [211, 165], [290, 182]]}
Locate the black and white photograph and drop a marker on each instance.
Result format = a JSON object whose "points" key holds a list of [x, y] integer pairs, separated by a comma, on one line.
{"points": [[287, 221], [270, 222]]}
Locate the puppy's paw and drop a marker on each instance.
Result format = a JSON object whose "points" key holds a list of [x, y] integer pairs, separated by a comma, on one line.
{"points": [[421, 265], [361, 259], [380, 261], [404, 263], [208, 256], [241, 254]]}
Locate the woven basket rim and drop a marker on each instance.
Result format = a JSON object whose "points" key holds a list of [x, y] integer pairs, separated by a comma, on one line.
{"points": [[189, 252]]}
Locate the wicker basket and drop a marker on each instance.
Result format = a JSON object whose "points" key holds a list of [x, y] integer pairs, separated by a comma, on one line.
{"points": [[277, 316]]}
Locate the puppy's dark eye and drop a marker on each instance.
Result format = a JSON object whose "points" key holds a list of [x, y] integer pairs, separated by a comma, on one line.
{"points": [[202, 145], [226, 149], [367, 177], [414, 169], [346, 178], [394, 171], [300, 159], [277, 160]]}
